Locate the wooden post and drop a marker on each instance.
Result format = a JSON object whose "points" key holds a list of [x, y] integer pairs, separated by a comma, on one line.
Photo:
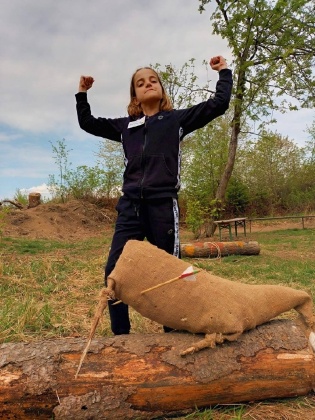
{"points": [[142, 375], [33, 199]]}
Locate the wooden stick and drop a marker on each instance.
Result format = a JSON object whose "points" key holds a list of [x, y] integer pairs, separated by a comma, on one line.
{"points": [[98, 313], [170, 281]]}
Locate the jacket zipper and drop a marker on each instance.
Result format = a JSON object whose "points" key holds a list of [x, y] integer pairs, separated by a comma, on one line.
{"points": [[143, 157]]}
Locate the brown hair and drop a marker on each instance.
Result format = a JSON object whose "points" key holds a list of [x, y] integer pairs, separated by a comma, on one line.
{"points": [[134, 108]]}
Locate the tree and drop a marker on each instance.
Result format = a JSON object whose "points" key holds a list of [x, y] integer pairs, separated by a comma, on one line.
{"points": [[58, 187], [273, 45], [310, 144], [111, 159], [181, 84], [271, 169], [306, 179], [203, 158]]}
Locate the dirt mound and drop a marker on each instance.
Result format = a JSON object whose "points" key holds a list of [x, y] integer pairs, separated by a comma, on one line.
{"points": [[69, 221]]}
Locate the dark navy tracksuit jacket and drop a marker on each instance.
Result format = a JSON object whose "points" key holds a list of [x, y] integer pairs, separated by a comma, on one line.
{"points": [[151, 180]]}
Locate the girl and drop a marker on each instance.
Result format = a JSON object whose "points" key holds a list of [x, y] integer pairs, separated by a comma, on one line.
{"points": [[150, 137]]}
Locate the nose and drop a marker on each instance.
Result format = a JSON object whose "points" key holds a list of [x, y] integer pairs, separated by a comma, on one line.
{"points": [[148, 83]]}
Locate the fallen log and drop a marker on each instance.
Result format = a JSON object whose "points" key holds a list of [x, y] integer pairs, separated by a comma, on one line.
{"points": [[143, 376], [219, 249], [14, 203]]}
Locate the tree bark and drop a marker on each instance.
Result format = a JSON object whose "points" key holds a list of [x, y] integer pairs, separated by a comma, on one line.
{"points": [[143, 376], [217, 249]]}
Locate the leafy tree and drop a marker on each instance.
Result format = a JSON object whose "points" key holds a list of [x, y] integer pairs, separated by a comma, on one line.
{"points": [[237, 197], [270, 167], [181, 84], [310, 144], [273, 46], [111, 160], [58, 185], [306, 187], [85, 182], [203, 158]]}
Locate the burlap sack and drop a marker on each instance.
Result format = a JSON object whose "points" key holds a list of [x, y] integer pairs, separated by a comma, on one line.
{"points": [[209, 304]]}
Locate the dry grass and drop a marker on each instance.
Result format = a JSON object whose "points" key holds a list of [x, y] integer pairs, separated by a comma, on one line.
{"points": [[296, 409], [55, 295]]}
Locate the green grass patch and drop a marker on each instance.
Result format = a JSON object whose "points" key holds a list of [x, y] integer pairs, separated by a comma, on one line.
{"points": [[29, 246], [38, 246]]}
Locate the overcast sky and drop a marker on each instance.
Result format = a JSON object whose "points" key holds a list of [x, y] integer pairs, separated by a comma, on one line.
{"points": [[47, 44]]}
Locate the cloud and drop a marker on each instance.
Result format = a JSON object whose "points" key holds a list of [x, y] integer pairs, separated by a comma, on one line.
{"points": [[42, 189], [49, 44]]}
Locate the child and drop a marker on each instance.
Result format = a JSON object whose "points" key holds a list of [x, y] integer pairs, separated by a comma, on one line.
{"points": [[150, 137]]}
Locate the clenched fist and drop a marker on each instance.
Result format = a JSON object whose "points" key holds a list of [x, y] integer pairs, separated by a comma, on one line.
{"points": [[86, 82], [218, 63]]}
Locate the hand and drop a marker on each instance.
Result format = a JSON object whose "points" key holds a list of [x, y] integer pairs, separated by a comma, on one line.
{"points": [[218, 63], [86, 82]]}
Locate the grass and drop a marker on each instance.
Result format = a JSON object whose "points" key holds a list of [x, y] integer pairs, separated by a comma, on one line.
{"points": [[49, 289]]}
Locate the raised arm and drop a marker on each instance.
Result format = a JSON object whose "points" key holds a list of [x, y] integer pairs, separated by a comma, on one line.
{"points": [[102, 127], [201, 114]]}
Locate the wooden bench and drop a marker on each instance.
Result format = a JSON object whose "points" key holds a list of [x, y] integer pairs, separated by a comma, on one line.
{"points": [[227, 224]]}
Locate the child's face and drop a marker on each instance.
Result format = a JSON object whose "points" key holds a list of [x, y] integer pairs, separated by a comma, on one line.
{"points": [[147, 87]]}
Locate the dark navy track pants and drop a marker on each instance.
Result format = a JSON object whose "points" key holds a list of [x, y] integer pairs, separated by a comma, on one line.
{"points": [[157, 220]]}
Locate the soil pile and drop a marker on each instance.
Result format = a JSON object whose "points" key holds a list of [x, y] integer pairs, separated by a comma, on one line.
{"points": [[73, 220]]}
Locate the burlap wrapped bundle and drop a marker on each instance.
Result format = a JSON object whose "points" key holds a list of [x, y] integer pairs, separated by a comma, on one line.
{"points": [[210, 304]]}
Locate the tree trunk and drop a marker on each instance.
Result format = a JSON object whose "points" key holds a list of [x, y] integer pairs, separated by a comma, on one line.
{"points": [[143, 376], [219, 249], [236, 129], [33, 200]]}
